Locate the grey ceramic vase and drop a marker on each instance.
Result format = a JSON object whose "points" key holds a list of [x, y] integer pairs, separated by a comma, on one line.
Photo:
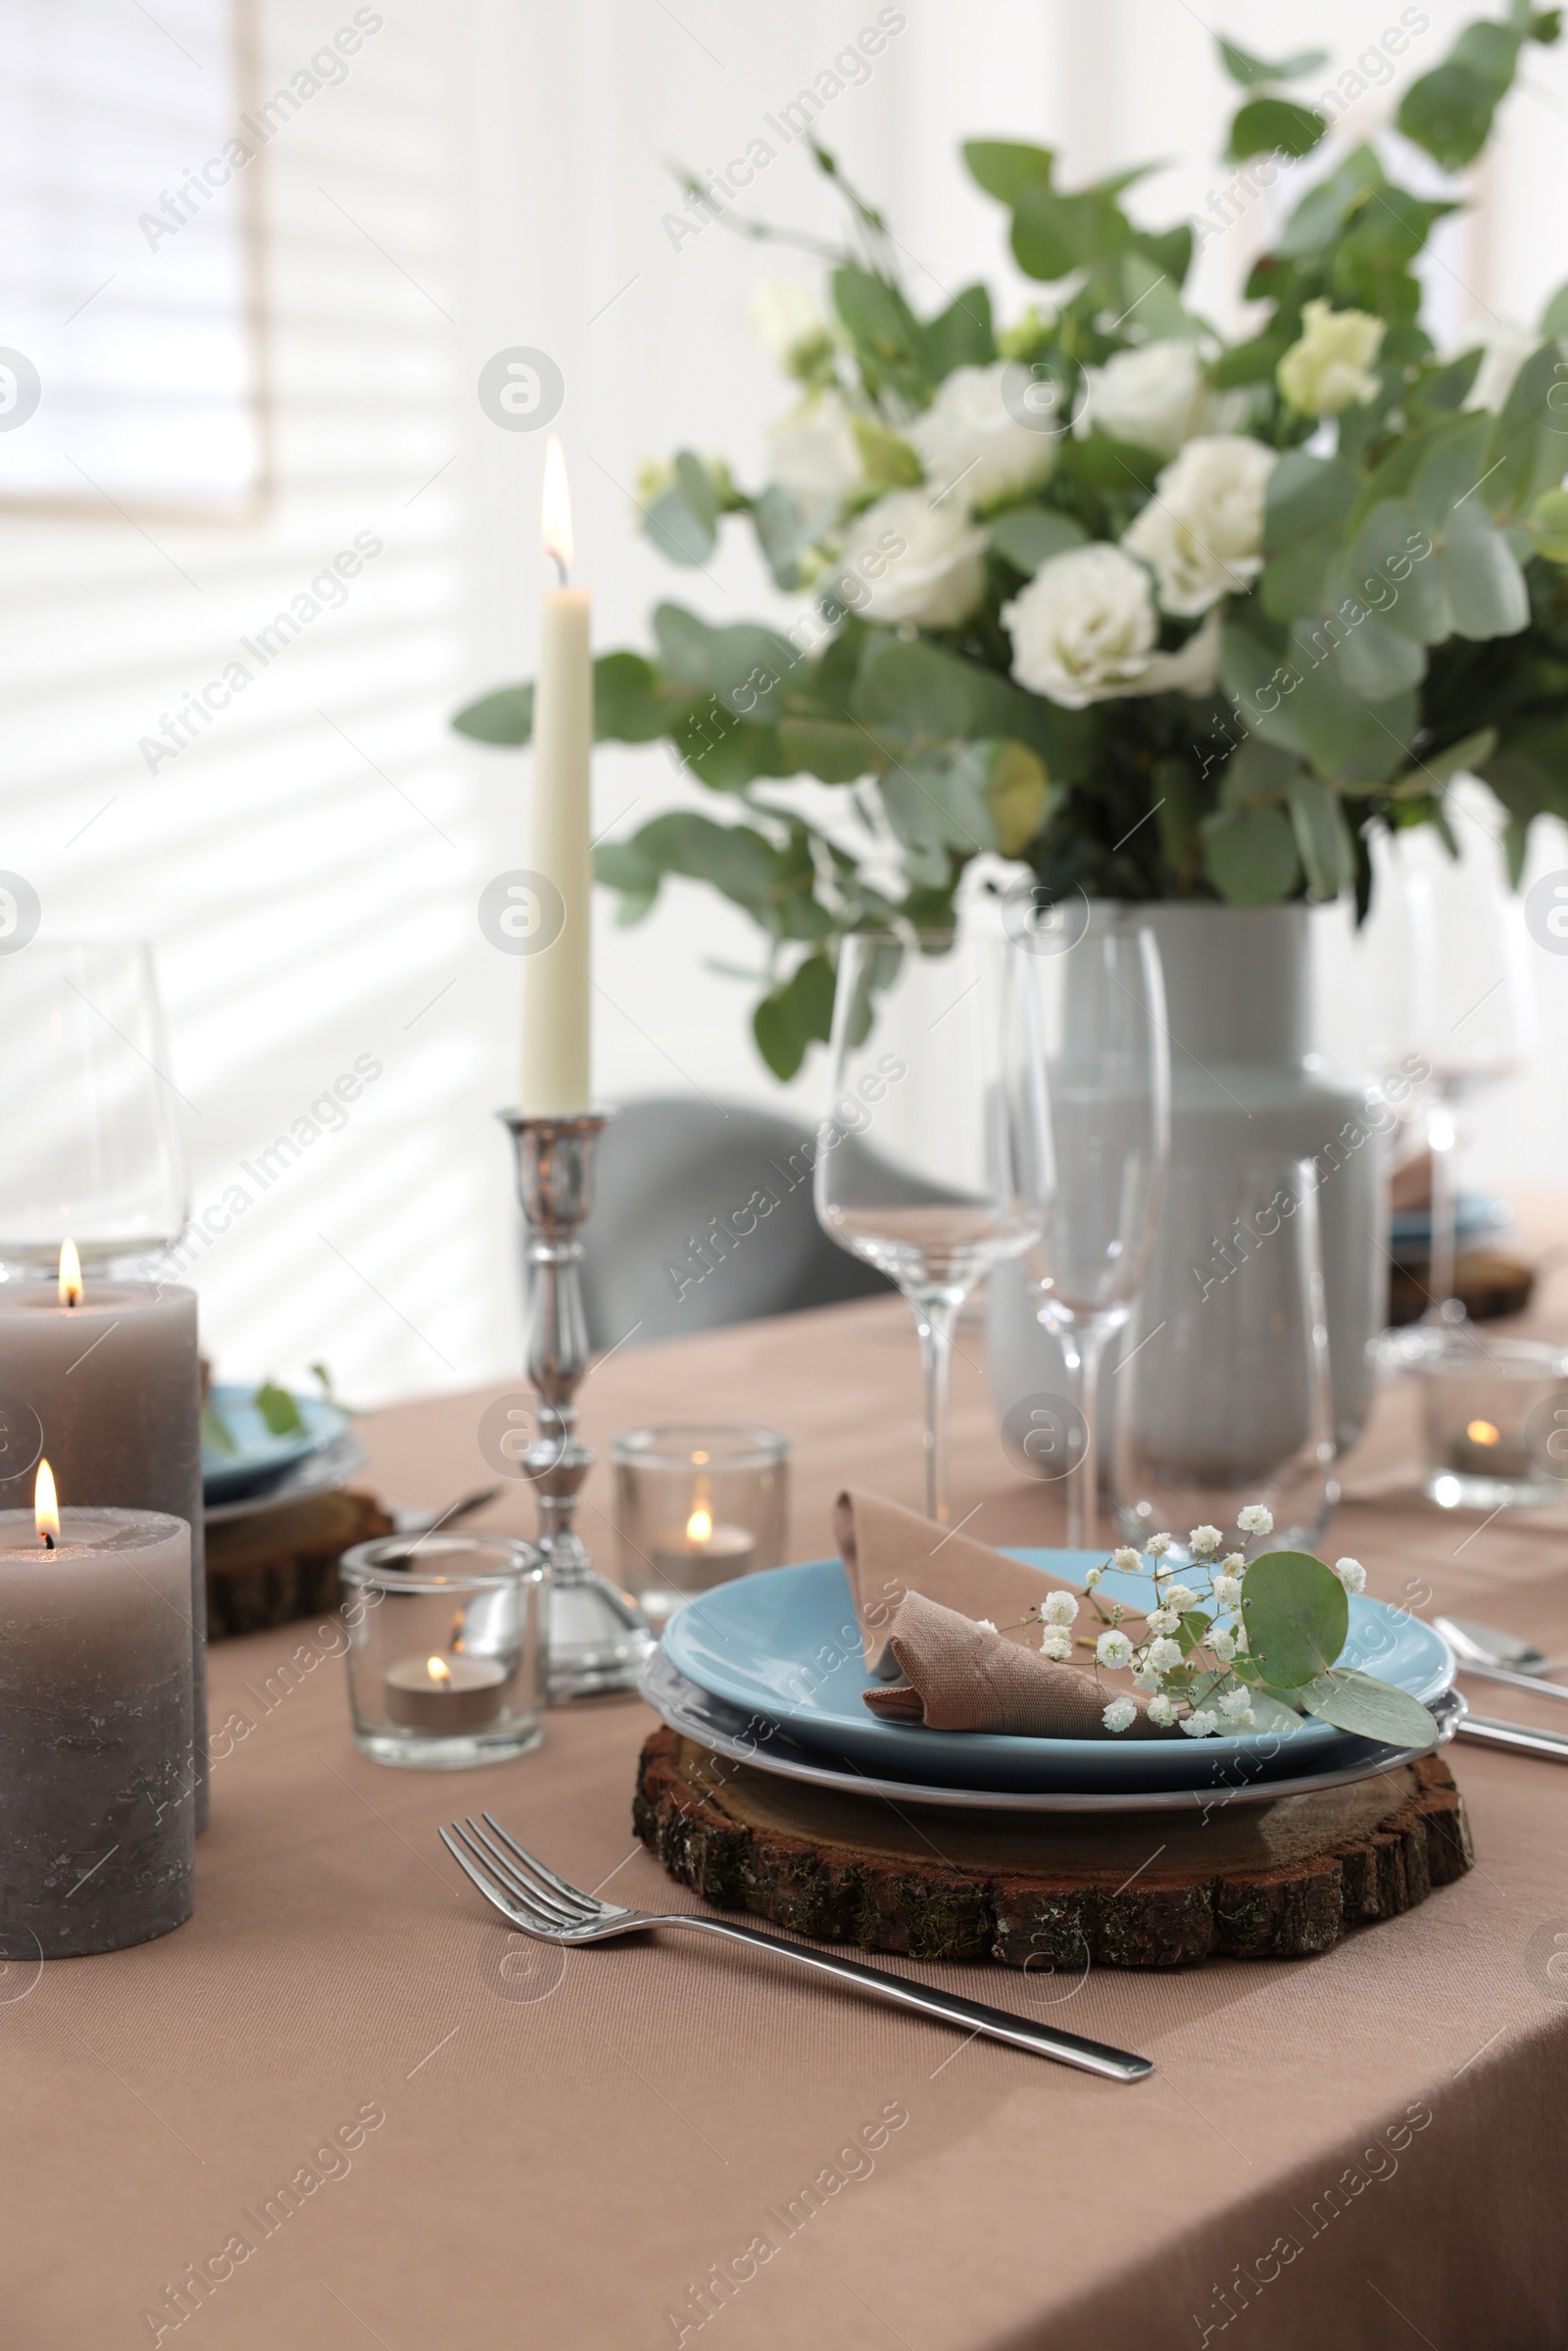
{"points": [[1245, 1081]]}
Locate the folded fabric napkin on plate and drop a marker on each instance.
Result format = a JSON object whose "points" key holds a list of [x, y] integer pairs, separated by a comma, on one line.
{"points": [[928, 1607]]}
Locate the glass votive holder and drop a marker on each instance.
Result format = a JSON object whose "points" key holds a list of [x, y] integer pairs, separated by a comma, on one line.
{"points": [[696, 1507], [447, 1649], [1494, 1420]]}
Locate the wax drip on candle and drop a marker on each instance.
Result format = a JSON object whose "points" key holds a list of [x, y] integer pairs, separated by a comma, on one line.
{"points": [[46, 1507], [556, 512], [70, 1275]]}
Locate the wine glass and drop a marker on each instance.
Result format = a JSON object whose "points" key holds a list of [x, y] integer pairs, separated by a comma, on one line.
{"points": [[933, 1157], [93, 1150], [1450, 999], [1096, 1004]]}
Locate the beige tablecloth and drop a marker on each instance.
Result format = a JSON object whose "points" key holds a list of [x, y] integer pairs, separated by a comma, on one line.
{"points": [[488, 2144]]}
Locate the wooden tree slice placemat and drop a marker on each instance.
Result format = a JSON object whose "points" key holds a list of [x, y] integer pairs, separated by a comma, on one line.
{"points": [[280, 1565], [1053, 1891]]}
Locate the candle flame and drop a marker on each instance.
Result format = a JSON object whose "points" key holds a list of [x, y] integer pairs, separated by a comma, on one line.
{"points": [[438, 1669], [700, 1526], [46, 1507], [70, 1275], [555, 517], [1482, 1432]]}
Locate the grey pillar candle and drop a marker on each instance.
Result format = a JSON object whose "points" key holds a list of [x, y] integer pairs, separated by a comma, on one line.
{"points": [[97, 1830], [113, 1390]]}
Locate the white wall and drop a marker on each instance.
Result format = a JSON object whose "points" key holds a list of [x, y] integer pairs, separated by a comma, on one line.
{"points": [[489, 174]]}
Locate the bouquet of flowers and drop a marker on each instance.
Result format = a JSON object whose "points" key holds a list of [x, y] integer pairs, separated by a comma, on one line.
{"points": [[1153, 615]]}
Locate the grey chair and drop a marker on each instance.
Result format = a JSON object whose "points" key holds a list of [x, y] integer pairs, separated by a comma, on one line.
{"points": [[701, 1216]]}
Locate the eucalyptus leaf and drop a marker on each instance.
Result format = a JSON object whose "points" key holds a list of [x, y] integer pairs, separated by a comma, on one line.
{"points": [[278, 1411], [505, 717], [1005, 168], [1251, 70], [1250, 856], [1485, 585], [1391, 567], [1296, 1615], [1321, 836], [914, 692], [1370, 1708], [683, 532], [1275, 126], [1030, 535]]}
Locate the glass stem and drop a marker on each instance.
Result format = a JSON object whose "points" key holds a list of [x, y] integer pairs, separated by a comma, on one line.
{"points": [[1443, 1138], [1082, 1345], [935, 1312]]}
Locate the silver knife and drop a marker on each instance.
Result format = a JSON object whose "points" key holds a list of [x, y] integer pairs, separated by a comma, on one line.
{"points": [[1523, 1737]]}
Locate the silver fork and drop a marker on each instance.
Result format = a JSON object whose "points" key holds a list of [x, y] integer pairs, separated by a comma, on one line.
{"points": [[543, 1905]]}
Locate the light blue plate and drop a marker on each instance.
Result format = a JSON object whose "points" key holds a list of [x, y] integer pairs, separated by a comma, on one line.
{"points": [[259, 1457], [785, 1646]]}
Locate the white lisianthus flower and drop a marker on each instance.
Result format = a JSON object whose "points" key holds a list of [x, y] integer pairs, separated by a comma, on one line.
{"points": [[1055, 1642], [1085, 629], [1164, 1655], [814, 454], [1331, 367], [1351, 1574], [1179, 1595], [1163, 1620], [1256, 1519], [936, 578], [1236, 1704], [1119, 1715], [1093, 1577], [1162, 1710], [1202, 1725], [1228, 1591], [1127, 1559], [1157, 1545], [1222, 1643], [1204, 1541], [1058, 1608], [1114, 1649], [972, 446], [787, 319], [1158, 396], [1201, 532]]}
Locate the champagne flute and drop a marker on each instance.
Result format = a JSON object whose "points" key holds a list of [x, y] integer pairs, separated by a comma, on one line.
{"points": [[933, 1154], [1095, 1006]]}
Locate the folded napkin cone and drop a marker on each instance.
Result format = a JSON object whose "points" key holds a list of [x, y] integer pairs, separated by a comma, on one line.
{"points": [[918, 1595]]}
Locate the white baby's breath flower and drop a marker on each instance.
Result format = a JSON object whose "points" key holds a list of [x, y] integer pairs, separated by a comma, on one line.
{"points": [[1228, 1591], [1057, 1643], [1233, 1563], [1093, 1577], [1236, 1703], [1165, 1654], [1145, 1678], [938, 577], [1158, 397], [1162, 1710], [1163, 1620], [1204, 1541], [1119, 1715], [1179, 1595], [971, 444], [1256, 1519], [1351, 1574], [1329, 367], [1114, 1649], [985, 1623], [1157, 1545], [1202, 1725], [1201, 532], [1127, 1559], [1239, 1638], [1058, 1608], [1222, 1643]]}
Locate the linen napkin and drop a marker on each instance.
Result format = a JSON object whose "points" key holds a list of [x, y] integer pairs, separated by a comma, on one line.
{"points": [[918, 1596]]}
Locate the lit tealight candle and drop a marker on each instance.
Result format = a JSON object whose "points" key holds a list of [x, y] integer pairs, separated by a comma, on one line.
{"points": [[703, 1553], [445, 1693]]}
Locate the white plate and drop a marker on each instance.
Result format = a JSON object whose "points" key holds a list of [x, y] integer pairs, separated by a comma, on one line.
{"points": [[318, 1473], [758, 1740]]}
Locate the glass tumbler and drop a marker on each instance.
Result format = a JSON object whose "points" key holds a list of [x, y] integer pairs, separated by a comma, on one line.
{"points": [[696, 1507], [1222, 1391], [1494, 1420], [446, 1656]]}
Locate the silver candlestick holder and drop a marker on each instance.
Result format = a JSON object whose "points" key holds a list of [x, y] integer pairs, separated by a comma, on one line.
{"points": [[599, 1638]]}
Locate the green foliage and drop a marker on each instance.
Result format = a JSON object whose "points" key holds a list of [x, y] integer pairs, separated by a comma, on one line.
{"points": [[1449, 111], [1371, 1709], [1275, 126], [1250, 72], [1296, 1616]]}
